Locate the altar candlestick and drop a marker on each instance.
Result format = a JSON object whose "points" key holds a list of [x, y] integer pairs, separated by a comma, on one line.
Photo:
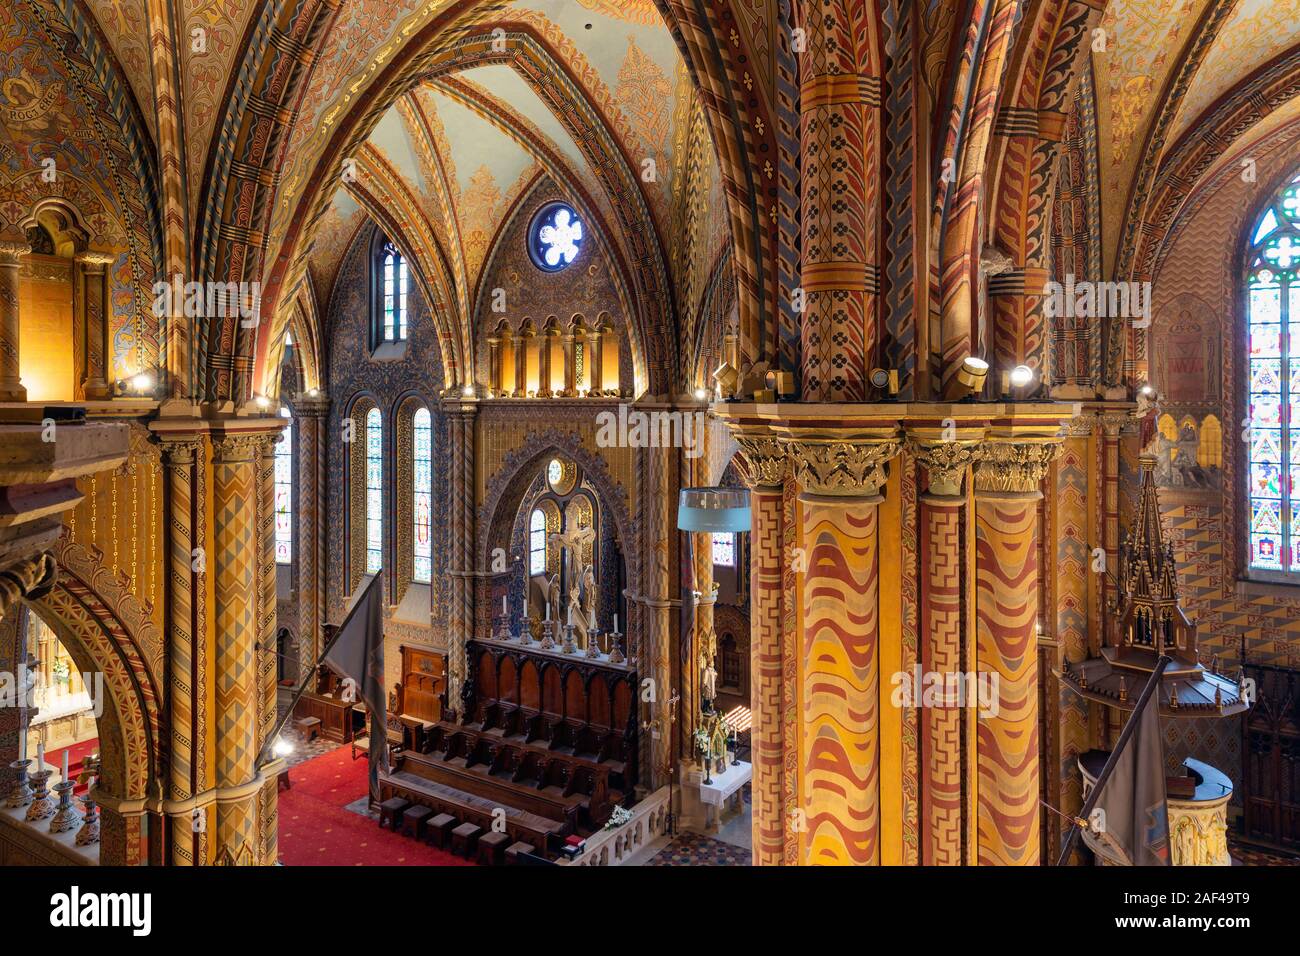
{"points": [[40, 756], [65, 764], [504, 612], [615, 623], [548, 610]]}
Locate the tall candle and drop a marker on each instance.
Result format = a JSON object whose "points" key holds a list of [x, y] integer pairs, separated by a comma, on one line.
{"points": [[40, 755], [615, 623], [570, 613], [548, 610], [65, 764], [504, 612]]}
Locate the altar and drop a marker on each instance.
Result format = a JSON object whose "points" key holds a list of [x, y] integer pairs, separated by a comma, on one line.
{"points": [[724, 791]]}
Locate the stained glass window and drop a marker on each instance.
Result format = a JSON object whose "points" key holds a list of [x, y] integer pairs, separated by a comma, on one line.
{"points": [[284, 494], [394, 287], [1272, 425], [374, 491], [422, 485], [537, 543], [724, 550], [555, 237]]}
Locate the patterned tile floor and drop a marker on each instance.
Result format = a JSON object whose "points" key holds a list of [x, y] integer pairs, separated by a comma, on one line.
{"points": [[695, 849], [1243, 854]]}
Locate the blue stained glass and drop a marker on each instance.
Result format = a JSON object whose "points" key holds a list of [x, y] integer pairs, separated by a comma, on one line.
{"points": [[1266, 225], [1266, 552], [422, 488], [537, 543], [1266, 341], [1266, 375], [1265, 410]]}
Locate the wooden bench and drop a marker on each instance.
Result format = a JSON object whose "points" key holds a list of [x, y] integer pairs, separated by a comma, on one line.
{"points": [[516, 848], [547, 801], [465, 807], [492, 848]]}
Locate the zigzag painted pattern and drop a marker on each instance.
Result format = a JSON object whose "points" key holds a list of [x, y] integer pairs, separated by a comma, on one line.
{"points": [[1006, 611], [766, 736], [840, 646]]}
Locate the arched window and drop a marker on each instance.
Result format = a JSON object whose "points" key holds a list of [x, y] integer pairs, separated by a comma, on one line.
{"points": [[284, 493], [724, 549], [1273, 377], [391, 285], [537, 543], [374, 491], [422, 492]]}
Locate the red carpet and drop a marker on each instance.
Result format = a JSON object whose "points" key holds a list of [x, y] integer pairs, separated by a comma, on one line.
{"points": [[76, 754], [315, 830]]}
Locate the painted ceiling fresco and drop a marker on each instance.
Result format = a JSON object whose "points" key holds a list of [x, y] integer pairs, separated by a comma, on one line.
{"points": [[1257, 32]]}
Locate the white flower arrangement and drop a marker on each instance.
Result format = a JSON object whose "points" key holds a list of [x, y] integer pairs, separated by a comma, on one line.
{"points": [[620, 816]]}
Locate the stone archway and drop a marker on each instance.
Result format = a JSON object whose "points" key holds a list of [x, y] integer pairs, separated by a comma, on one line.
{"points": [[106, 630]]}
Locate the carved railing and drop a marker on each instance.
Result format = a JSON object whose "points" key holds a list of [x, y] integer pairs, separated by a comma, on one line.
{"points": [[614, 847]]}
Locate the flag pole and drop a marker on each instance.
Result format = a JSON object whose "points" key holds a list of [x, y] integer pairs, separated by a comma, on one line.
{"points": [[1095, 794], [302, 688]]}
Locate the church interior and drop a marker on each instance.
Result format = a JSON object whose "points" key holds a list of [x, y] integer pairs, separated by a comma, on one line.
{"points": [[725, 432]]}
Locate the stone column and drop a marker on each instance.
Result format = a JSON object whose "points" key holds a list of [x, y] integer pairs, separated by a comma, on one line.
{"points": [[310, 418], [771, 702], [570, 365], [595, 362], [839, 102], [266, 647], [495, 374], [185, 686], [544, 364], [521, 365], [460, 424], [839, 751], [1007, 478], [11, 386], [943, 581], [98, 348], [235, 565], [1111, 427]]}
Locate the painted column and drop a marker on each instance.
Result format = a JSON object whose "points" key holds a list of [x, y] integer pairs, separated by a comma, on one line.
{"points": [[943, 582], [766, 478], [495, 371], [839, 637], [544, 364], [839, 102], [235, 564], [266, 647], [182, 459], [93, 267], [460, 423], [521, 365], [11, 386], [310, 417], [1007, 478], [570, 365]]}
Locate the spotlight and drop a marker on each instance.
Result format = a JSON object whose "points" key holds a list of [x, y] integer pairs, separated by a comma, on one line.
{"points": [[142, 383], [726, 376], [885, 379], [282, 747], [262, 401], [313, 393], [701, 394], [1147, 391], [968, 380], [468, 391], [1021, 376]]}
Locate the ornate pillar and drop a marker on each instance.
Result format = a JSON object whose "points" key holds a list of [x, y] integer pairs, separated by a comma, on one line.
{"points": [[771, 708], [182, 462], [310, 417], [93, 267], [839, 750], [839, 102], [943, 582], [460, 424], [11, 386], [1111, 427], [266, 647], [235, 565], [1007, 477]]}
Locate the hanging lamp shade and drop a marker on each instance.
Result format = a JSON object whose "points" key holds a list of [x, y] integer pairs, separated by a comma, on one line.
{"points": [[718, 510]]}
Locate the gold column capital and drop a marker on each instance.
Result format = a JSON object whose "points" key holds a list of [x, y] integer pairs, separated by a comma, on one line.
{"points": [[11, 250], [846, 469], [767, 460], [93, 261], [1014, 466], [945, 461]]}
